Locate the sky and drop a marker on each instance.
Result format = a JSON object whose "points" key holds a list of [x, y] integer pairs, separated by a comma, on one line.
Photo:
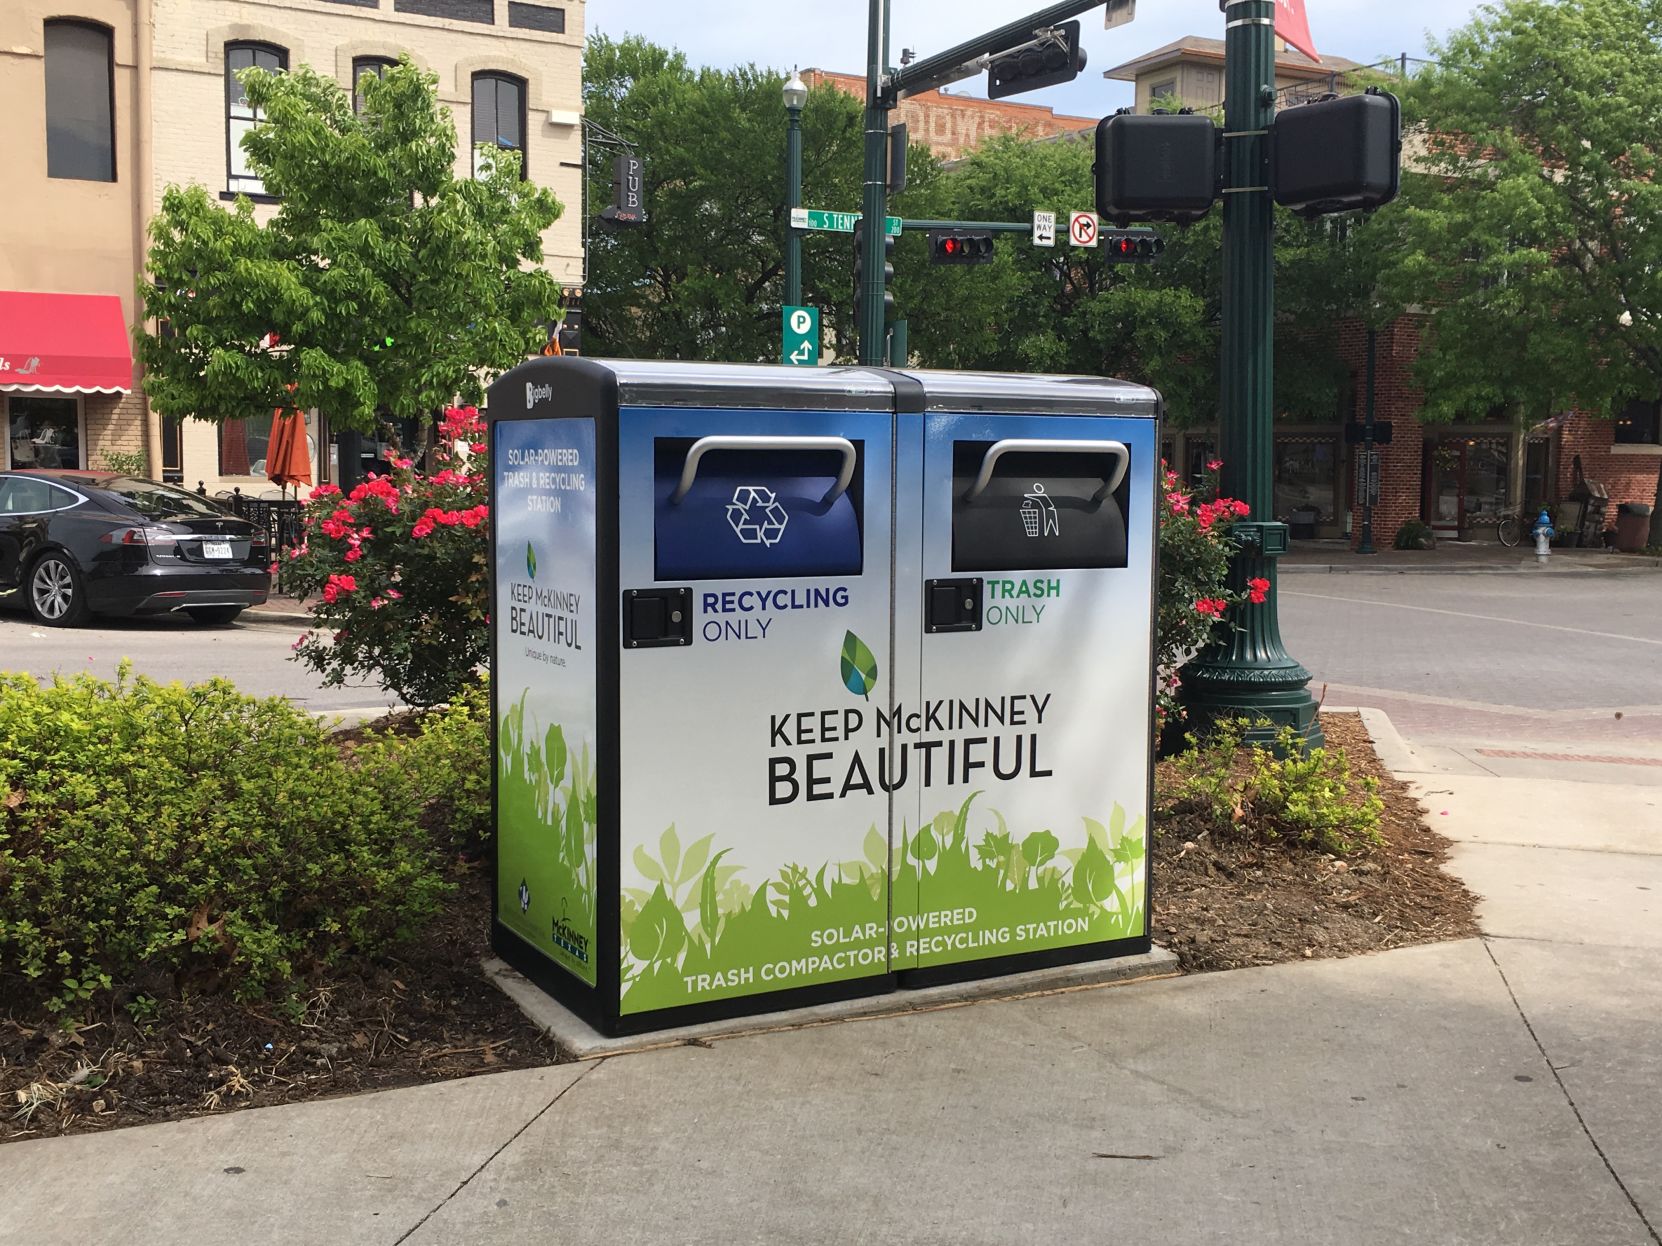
{"points": [[831, 34]]}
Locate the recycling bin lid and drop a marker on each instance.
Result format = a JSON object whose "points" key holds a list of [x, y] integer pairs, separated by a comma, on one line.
{"points": [[1021, 394], [677, 383], [1635, 508]]}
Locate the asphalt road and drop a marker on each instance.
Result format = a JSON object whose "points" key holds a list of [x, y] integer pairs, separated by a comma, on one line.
{"points": [[255, 656], [1488, 658]]}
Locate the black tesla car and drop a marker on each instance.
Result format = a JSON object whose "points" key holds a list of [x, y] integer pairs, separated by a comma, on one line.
{"points": [[74, 544]]}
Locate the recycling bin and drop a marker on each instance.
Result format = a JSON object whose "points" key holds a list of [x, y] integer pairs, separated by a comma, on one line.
{"points": [[814, 683]]}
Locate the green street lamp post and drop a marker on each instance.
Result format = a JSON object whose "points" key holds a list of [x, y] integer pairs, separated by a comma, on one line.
{"points": [[1248, 674], [796, 95]]}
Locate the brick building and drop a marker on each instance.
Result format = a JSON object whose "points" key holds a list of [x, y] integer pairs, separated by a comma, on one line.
{"points": [[110, 101], [954, 125]]}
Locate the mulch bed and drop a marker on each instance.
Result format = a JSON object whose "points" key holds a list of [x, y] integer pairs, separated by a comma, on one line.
{"points": [[430, 1014], [425, 1016], [1225, 903]]}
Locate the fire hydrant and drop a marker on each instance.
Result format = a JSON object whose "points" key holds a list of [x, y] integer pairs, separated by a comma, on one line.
{"points": [[1543, 536]]}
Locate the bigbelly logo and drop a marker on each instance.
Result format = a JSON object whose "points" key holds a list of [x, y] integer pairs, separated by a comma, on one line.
{"points": [[755, 515]]}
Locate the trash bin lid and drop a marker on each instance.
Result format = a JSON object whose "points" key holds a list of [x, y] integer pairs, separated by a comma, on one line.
{"points": [[1635, 508]]}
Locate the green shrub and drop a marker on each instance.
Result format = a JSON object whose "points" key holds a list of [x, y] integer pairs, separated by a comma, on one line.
{"points": [[149, 828], [1309, 798], [450, 764], [1415, 534]]}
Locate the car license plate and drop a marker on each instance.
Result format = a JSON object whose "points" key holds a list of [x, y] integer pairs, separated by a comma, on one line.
{"points": [[216, 549]]}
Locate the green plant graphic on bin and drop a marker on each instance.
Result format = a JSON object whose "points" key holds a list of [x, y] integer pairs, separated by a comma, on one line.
{"points": [[701, 933], [546, 792]]}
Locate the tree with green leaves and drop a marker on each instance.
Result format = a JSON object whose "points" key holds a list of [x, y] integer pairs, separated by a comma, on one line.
{"points": [[702, 278], [1068, 309], [1529, 220], [383, 286]]}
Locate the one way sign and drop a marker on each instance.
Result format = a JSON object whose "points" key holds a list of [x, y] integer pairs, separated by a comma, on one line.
{"points": [[1044, 229]]}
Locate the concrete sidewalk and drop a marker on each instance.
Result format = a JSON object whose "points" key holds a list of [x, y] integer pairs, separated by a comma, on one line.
{"points": [[1494, 1090], [1476, 557]]}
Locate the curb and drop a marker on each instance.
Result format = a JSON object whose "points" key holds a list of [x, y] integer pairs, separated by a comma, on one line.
{"points": [[258, 615], [1521, 569], [577, 1040], [1395, 753]]}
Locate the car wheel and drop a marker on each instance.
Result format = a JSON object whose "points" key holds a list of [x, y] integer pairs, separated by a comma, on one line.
{"points": [[56, 597], [216, 616]]}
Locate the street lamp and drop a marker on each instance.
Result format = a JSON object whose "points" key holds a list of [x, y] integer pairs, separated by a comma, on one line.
{"points": [[796, 95]]}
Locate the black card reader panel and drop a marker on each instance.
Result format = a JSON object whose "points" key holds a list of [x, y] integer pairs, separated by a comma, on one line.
{"points": [[1038, 511]]}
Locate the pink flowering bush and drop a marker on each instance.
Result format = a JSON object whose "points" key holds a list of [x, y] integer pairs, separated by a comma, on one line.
{"points": [[1195, 548], [398, 568]]}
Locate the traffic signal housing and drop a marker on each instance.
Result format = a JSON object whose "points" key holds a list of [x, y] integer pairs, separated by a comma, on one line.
{"points": [[1156, 167], [1338, 154], [956, 246], [860, 269], [1052, 58], [1131, 246]]}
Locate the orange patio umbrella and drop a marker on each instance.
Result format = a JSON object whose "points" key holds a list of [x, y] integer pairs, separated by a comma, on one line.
{"points": [[288, 461]]}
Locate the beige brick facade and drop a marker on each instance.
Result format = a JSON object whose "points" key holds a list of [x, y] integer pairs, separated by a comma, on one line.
{"points": [[171, 128]]}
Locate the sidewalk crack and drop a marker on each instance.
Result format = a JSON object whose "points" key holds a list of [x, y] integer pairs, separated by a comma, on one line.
{"points": [[1570, 1099], [491, 1158]]}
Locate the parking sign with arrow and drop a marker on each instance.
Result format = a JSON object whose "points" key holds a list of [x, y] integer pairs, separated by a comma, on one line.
{"points": [[800, 337]]}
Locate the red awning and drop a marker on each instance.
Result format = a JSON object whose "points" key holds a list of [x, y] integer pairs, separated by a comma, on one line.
{"points": [[63, 344]]}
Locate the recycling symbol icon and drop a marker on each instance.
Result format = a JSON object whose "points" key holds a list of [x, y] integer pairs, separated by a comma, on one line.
{"points": [[755, 515]]}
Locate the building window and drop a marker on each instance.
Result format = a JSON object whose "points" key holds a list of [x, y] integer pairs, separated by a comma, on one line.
{"points": [[240, 115], [1163, 94], [367, 67], [1639, 424], [498, 118], [537, 17], [80, 102], [1306, 478], [43, 432], [242, 445], [173, 450]]}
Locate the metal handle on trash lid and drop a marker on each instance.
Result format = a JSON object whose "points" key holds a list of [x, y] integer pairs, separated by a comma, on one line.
{"points": [[704, 445], [999, 449]]}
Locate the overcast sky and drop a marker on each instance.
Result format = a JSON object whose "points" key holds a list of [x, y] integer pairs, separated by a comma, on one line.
{"points": [[831, 34]]}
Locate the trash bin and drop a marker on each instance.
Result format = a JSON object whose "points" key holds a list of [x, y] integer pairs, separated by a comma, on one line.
{"points": [[1632, 526], [815, 683]]}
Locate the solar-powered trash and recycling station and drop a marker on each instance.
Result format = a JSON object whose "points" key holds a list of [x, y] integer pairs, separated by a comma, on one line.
{"points": [[815, 683]]}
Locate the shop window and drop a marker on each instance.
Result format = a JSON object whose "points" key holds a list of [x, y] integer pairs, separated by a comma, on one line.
{"points": [[240, 115], [43, 432], [80, 102], [173, 450], [1639, 424], [1198, 452], [498, 119], [367, 67], [242, 446], [1306, 478]]}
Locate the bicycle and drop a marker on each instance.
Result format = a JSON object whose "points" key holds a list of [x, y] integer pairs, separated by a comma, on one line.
{"points": [[1515, 527]]}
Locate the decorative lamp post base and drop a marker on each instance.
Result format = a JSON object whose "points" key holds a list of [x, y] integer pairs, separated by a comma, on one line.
{"points": [[1249, 674]]}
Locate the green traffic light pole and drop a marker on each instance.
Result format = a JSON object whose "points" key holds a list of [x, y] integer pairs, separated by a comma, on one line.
{"points": [[883, 90], [796, 95], [1249, 674]]}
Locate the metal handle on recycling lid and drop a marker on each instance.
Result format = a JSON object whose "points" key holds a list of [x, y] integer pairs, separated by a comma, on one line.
{"points": [[996, 451], [704, 445]]}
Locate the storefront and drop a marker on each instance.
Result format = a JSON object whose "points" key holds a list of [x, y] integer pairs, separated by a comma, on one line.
{"points": [[1466, 482], [65, 368]]}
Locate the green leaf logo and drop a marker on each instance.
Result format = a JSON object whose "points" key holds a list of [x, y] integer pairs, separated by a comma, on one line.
{"points": [[859, 668], [530, 560]]}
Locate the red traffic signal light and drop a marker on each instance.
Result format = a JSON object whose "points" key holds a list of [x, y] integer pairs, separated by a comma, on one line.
{"points": [[960, 247], [1132, 246]]}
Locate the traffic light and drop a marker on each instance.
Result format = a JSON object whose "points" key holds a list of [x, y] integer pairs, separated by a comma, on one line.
{"points": [[1338, 154], [1160, 167], [860, 270], [1132, 246], [960, 247], [1054, 56]]}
